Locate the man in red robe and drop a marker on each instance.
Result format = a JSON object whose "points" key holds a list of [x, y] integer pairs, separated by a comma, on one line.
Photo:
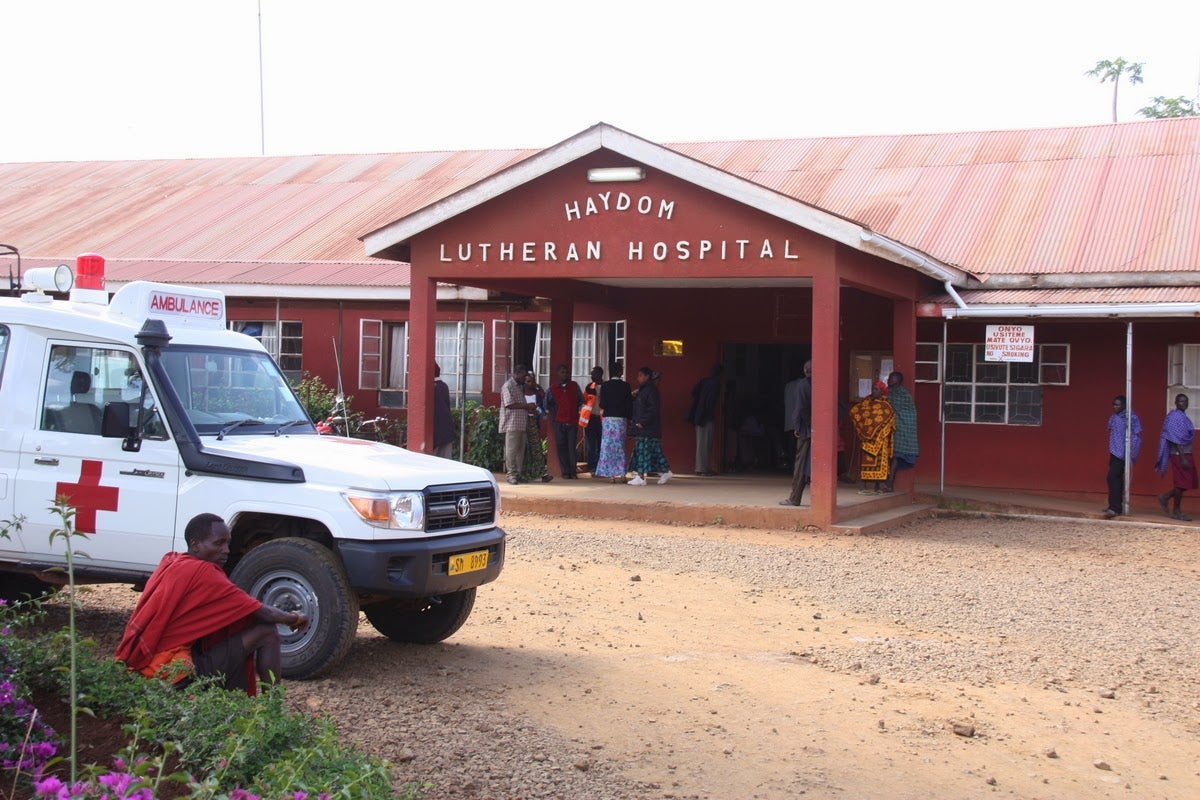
{"points": [[191, 617]]}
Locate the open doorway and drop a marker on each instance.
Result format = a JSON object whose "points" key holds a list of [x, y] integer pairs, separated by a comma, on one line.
{"points": [[753, 437]]}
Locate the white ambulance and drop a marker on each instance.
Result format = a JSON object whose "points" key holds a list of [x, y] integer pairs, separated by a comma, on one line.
{"points": [[146, 411]]}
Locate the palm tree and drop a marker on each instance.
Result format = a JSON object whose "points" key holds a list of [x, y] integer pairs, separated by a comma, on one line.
{"points": [[1112, 71]]}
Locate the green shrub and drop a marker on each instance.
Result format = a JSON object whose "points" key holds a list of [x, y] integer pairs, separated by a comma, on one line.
{"points": [[317, 398], [485, 443]]}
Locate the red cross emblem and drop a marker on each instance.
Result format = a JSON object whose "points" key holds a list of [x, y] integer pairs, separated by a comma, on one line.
{"points": [[88, 496]]}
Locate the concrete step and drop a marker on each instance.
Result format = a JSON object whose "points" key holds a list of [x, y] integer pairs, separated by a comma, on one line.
{"points": [[882, 519]]}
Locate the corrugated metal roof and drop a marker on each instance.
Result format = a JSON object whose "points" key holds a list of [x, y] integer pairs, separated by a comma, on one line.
{"points": [[1110, 198], [1090, 296]]}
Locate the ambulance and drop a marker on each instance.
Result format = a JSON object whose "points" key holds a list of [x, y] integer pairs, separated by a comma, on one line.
{"points": [[144, 411]]}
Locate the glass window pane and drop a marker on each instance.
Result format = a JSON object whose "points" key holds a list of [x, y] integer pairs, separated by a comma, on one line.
{"points": [[926, 372], [959, 363], [987, 412], [1025, 405], [991, 372], [1054, 373], [1023, 372]]}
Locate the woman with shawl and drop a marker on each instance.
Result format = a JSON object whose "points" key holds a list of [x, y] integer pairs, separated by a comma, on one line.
{"points": [[874, 422], [1175, 450]]}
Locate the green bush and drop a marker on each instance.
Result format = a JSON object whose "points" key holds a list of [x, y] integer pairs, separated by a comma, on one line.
{"points": [[224, 739], [317, 398], [485, 443]]}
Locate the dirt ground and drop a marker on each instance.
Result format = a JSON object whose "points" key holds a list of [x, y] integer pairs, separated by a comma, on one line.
{"points": [[954, 657]]}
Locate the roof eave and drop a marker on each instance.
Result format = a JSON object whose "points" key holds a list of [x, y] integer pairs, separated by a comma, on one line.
{"points": [[388, 239]]}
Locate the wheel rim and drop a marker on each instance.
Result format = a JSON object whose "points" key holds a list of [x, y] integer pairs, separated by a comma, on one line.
{"points": [[287, 591]]}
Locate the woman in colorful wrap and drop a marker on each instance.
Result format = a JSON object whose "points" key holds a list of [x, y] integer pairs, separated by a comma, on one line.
{"points": [[615, 405], [874, 421], [1175, 450], [647, 431], [535, 451]]}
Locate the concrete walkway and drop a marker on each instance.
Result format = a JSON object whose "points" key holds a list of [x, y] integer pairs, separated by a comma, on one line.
{"points": [[752, 501]]}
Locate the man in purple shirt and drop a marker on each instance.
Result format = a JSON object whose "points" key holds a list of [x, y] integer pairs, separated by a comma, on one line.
{"points": [[1116, 453]]}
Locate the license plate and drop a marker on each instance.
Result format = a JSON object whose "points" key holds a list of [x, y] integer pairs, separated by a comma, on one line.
{"points": [[467, 562]]}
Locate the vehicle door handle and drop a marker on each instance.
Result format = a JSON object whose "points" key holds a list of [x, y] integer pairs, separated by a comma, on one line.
{"points": [[46, 461]]}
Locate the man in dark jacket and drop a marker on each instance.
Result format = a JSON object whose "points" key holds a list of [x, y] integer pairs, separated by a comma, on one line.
{"points": [[802, 472], [705, 395]]}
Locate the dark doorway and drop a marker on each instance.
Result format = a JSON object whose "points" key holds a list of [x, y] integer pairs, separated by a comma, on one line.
{"points": [[755, 375]]}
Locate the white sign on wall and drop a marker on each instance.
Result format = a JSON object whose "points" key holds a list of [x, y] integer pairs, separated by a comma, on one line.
{"points": [[1009, 343]]}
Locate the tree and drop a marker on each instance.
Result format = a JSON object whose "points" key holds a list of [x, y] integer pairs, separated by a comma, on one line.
{"points": [[1165, 107], [1112, 71]]}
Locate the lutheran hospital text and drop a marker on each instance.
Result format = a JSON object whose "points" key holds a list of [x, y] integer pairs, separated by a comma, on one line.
{"points": [[536, 252]]}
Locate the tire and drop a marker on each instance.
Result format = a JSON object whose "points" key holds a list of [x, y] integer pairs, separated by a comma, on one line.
{"points": [[17, 587], [424, 621], [301, 575]]}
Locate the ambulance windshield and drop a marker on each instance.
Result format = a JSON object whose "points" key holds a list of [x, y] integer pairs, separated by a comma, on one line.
{"points": [[233, 392]]}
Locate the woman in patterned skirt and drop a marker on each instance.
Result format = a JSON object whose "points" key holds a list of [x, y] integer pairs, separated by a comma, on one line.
{"points": [[615, 405], [647, 431]]}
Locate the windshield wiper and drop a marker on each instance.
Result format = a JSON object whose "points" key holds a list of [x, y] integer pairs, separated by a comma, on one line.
{"points": [[289, 424], [239, 423]]}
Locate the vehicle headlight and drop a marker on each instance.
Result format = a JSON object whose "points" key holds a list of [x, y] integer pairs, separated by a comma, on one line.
{"points": [[405, 510]]}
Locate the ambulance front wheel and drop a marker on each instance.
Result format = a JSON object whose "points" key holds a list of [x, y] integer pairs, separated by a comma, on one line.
{"points": [[301, 575]]}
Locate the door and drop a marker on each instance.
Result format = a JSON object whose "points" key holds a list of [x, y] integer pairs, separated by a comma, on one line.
{"points": [[125, 502]]}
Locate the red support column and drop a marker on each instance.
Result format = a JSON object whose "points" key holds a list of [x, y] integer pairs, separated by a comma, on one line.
{"points": [[562, 330], [826, 323], [421, 341]]}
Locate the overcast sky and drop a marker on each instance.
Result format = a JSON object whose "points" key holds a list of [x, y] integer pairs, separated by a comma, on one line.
{"points": [[133, 79]]}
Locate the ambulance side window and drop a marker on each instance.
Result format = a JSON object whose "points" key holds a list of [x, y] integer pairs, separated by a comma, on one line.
{"points": [[3, 349], [80, 380]]}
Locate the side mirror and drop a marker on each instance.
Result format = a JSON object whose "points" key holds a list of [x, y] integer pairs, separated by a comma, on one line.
{"points": [[119, 423]]}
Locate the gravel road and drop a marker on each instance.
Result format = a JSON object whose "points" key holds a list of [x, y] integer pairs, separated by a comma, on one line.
{"points": [[964, 656]]}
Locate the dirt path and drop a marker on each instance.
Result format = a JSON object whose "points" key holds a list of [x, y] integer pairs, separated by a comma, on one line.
{"points": [[617, 660]]}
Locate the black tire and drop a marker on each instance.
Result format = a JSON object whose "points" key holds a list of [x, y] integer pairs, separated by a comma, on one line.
{"points": [[17, 587], [301, 575], [424, 621]]}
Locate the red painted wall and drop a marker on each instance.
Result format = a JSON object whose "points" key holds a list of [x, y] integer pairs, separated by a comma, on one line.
{"points": [[1068, 451]]}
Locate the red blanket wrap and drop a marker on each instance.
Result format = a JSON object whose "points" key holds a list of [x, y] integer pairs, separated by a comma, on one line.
{"points": [[186, 599]]}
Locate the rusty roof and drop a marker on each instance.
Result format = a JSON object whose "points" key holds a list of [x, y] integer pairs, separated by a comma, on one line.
{"points": [[1118, 199]]}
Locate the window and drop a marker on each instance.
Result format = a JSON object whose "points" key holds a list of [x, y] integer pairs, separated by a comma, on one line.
{"points": [[3, 349], [385, 360], [458, 350], [929, 363], [283, 340], [1183, 377], [81, 380], [1000, 393]]}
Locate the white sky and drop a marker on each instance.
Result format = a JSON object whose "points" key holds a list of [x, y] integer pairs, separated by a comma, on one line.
{"points": [[132, 79]]}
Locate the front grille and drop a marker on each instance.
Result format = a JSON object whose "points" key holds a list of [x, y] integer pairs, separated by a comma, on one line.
{"points": [[444, 504]]}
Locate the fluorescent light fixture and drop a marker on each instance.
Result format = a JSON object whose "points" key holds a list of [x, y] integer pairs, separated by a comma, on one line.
{"points": [[616, 174]]}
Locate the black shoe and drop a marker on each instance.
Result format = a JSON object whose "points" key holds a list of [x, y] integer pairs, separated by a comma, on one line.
{"points": [[547, 478], [1109, 513]]}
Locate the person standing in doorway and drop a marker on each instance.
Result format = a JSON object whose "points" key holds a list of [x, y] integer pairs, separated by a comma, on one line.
{"points": [[594, 430], [616, 406], [1116, 453], [647, 431], [791, 391], [443, 416], [905, 449], [1175, 450], [535, 451], [705, 395], [802, 430], [514, 422], [874, 422], [562, 405]]}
